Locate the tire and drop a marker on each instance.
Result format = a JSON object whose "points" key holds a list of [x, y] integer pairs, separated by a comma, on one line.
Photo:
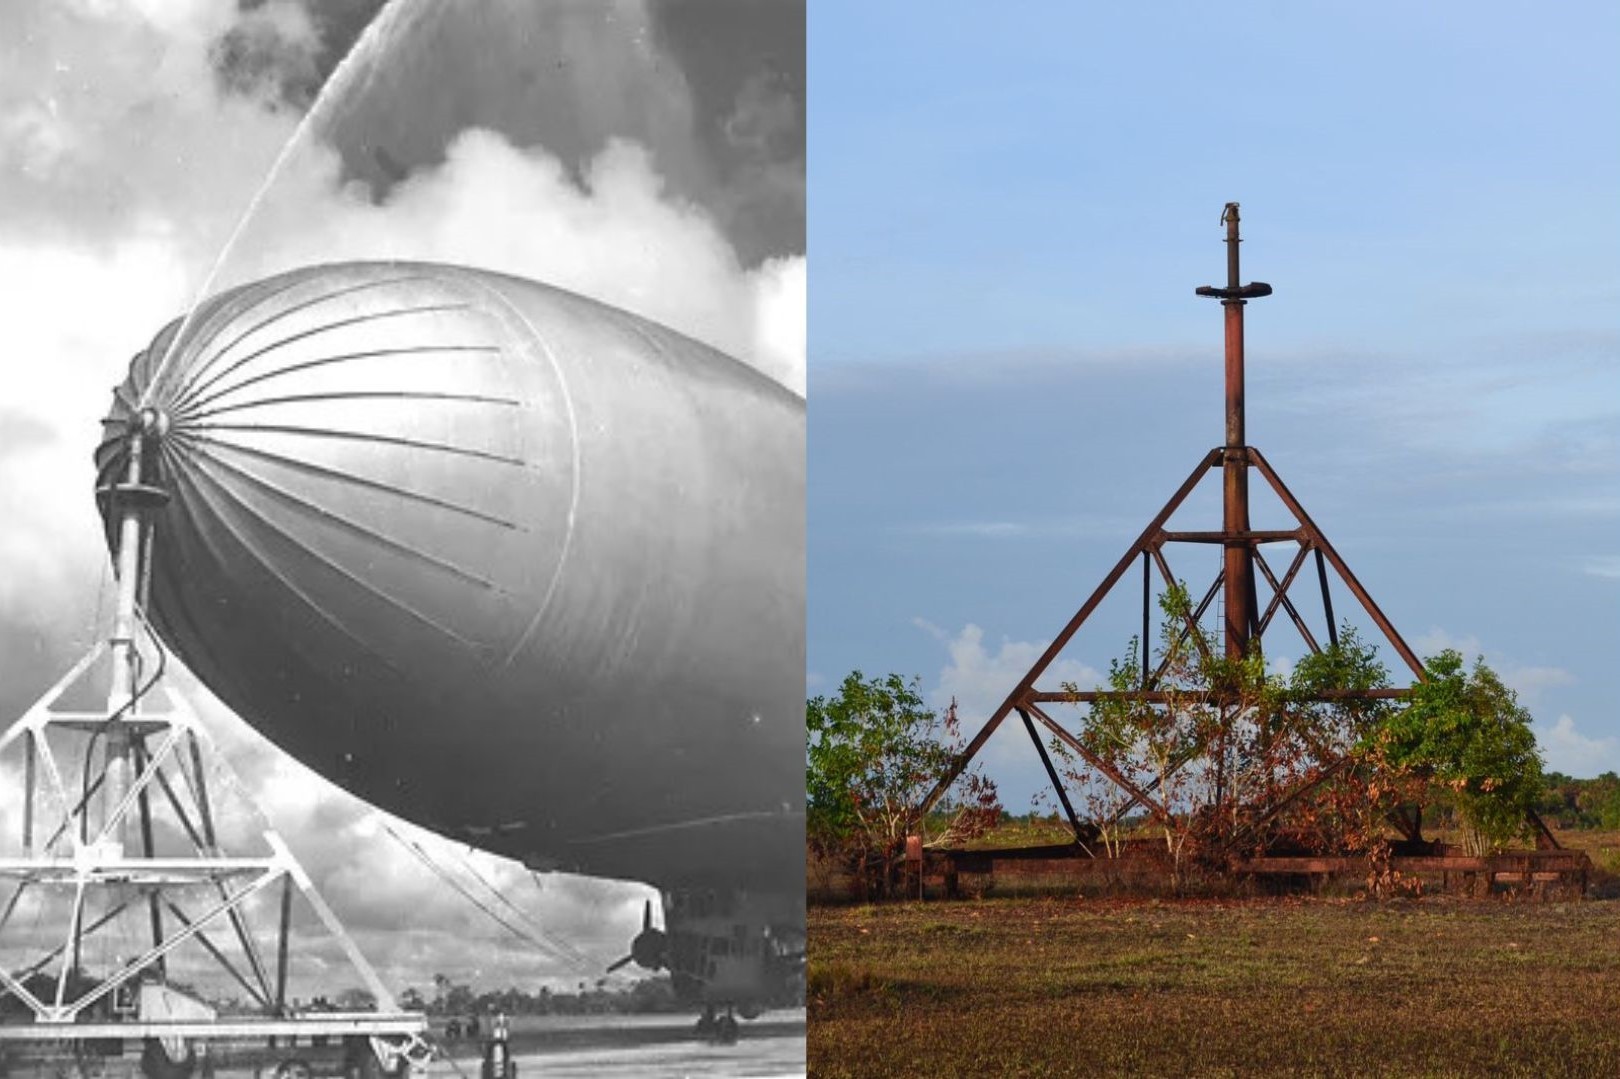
{"points": [[360, 1061]]}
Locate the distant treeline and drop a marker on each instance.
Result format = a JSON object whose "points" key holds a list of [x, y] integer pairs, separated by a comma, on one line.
{"points": [[648, 995], [1581, 803], [1566, 803]]}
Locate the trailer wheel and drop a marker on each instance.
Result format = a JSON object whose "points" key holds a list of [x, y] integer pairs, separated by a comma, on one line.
{"points": [[361, 1061], [156, 1063]]}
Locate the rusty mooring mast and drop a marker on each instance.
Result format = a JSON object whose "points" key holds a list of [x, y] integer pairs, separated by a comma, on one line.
{"points": [[1244, 623], [1238, 566]]}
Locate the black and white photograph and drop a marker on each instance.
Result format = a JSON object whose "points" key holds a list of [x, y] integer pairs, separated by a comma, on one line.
{"points": [[402, 584]]}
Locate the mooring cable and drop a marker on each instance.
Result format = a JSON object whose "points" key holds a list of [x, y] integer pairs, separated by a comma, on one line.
{"points": [[555, 950], [579, 957]]}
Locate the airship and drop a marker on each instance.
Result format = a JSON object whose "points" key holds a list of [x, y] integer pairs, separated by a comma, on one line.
{"points": [[507, 562]]}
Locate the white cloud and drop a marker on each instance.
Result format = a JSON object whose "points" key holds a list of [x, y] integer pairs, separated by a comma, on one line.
{"points": [[781, 289], [1567, 750], [1606, 567], [1529, 681], [979, 679], [68, 358], [613, 236], [1436, 640]]}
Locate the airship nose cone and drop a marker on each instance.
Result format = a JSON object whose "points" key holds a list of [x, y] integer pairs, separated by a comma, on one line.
{"points": [[361, 443], [151, 423], [452, 538]]}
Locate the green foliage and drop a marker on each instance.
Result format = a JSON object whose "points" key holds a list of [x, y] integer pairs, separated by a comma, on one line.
{"points": [[873, 752], [1347, 665], [1600, 801], [1219, 743], [858, 743], [1581, 803], [1468, 733], [1203, 688]]}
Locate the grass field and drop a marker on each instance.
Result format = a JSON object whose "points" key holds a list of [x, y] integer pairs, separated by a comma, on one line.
{"points": [[1434, 986]]}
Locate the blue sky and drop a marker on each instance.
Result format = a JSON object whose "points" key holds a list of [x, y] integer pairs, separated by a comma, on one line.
{"points": [[1009, 372]]}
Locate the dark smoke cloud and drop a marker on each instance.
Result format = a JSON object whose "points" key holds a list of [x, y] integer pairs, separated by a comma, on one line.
{"points": [[713, 88], [746, 65], [272, 54]]}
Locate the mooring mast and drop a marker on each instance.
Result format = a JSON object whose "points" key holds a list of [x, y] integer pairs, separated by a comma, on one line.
{"points": [[1239, 566], [135, 832], [1244, 622]]}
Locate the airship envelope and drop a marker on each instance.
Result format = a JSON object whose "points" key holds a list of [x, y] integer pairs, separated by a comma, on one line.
{"points": [[515, 565]]}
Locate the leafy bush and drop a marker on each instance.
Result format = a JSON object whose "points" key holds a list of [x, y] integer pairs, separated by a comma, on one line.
{"points": [[873, 752], [1467, 732]]}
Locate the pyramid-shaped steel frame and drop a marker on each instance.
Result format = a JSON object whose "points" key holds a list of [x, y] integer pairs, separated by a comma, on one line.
{"points": [[96, 837], [167, 748], [1243, 623]]}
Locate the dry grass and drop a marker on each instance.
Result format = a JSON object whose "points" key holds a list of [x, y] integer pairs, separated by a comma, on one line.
{"points": [[1072, 986], [1604, 850]]}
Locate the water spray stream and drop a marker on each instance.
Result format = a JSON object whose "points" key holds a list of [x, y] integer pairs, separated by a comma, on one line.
{"points": [[378, 34]]}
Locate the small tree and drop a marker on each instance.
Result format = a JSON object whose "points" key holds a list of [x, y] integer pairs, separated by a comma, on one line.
{"points": [[1177, 748], [873, 752], [1466, 731]]}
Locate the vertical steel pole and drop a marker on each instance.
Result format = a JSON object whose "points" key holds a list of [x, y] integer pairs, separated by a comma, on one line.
{"points": [[1238, 556], [29, 782], [1239, 567], [282, 941], [1327, 599], [149, 850], [124, 654], [1147, 601]]}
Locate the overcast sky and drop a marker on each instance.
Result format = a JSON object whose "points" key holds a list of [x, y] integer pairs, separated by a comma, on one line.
{"points": [[1010, 374], [649, 153]]}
